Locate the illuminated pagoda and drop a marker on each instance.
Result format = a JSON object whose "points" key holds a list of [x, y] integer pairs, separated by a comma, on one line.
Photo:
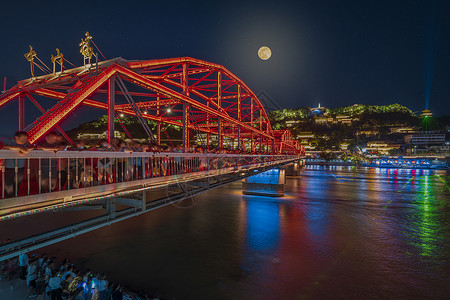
{"points": [[426, 113]]}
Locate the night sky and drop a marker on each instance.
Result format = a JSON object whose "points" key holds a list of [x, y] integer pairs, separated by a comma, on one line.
{"points": [[333, 52]]}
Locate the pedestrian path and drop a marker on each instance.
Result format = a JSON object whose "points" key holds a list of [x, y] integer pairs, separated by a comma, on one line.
{"points": [[14, 289]]}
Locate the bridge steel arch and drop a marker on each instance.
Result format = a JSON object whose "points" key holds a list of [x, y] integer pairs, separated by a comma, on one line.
{"points": [[190, 93]]}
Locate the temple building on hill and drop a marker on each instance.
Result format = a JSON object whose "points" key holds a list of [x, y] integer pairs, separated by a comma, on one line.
{"points": [[426, 113], [319, 110]]}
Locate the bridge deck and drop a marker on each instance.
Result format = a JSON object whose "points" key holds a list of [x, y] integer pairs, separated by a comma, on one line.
{"points": [[55, 180], [180, 176]]}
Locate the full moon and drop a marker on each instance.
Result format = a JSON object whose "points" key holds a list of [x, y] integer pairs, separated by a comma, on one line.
{"points": [[264, 53]]}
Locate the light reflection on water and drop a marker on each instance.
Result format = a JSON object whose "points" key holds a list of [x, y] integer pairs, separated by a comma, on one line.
{"points": [[340, 232]]}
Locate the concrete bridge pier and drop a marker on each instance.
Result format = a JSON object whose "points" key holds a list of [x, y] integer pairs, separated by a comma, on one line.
{"points": [[269, 183], [294, 168]]}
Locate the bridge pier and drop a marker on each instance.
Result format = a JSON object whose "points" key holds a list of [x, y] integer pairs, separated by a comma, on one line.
{"points": [[110, 207], [269, 183], [294, 168]]}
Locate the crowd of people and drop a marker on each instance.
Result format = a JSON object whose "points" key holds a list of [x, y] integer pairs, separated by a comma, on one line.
{"points": [[45, 279], [101, 168], [55, 142]]}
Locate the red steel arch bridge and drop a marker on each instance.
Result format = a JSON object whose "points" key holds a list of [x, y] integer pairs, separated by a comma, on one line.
{"points": [[204, 99], [196, 95]]}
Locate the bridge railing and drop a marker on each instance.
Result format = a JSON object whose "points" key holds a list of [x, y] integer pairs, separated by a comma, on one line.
{"points": [[41, 172]]}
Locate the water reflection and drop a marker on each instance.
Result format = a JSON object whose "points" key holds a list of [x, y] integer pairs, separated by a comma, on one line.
{"points": [[339, 232], [425, 235], [263, 223]]}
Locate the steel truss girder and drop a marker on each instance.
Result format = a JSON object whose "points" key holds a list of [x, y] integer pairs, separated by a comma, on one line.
{"points": [[226, 102]]}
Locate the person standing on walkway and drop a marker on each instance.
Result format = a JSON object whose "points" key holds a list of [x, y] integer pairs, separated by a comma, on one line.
{"points": [[65, 287], [55, 287], [103, 287], [14, 168], [48, 166], [23, 265], [32, 274], [40, 287]]}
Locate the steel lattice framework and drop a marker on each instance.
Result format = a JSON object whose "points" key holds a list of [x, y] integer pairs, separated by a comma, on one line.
{"points": [[196, 95]]}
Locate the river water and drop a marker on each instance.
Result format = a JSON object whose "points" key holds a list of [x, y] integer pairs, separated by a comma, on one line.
{"points": [[339, 233]]}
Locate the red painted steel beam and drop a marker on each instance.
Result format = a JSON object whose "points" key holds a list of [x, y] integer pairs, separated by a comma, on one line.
{"points": [[59, 111], [101, 105], [197, 62], [170, 93], [163, 102], [195, 92], [138, 94], [42, 110], [21, 112], [164, 70], [8, 97]]}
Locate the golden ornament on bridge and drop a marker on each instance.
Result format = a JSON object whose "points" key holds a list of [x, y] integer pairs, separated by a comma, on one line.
{"points": [[85, 48], [30, 57], [54, 59]]}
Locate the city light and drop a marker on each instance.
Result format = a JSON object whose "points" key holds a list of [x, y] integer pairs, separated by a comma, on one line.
{"points": [[121, 115], [169, 110]]}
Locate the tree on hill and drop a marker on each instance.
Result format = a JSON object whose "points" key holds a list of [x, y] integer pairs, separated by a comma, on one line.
{"points": [[131, 124]]}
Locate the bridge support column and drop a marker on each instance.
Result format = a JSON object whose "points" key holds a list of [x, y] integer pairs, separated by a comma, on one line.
{"points": [[158, 125], [260, 143], [110, 208], [158, 133], [220, 134], [144, 200], [111, 104], [239, 138], [185, 127], [21, 112], [294, 168], [269, 183]]}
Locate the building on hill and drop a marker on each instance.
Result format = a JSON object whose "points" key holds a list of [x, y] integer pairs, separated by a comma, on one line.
{"points": [[319, 110], [426, 113], [344, 146], [425, 138], [427, 142], [305, 135], [305, 139], [292, 123], [403, 129], [368, 132], [339, 119], [381, 147], [344, 119], [321, 120]]}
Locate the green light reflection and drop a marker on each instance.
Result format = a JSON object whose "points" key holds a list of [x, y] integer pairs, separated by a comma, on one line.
{"points": [[427, 225]]}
